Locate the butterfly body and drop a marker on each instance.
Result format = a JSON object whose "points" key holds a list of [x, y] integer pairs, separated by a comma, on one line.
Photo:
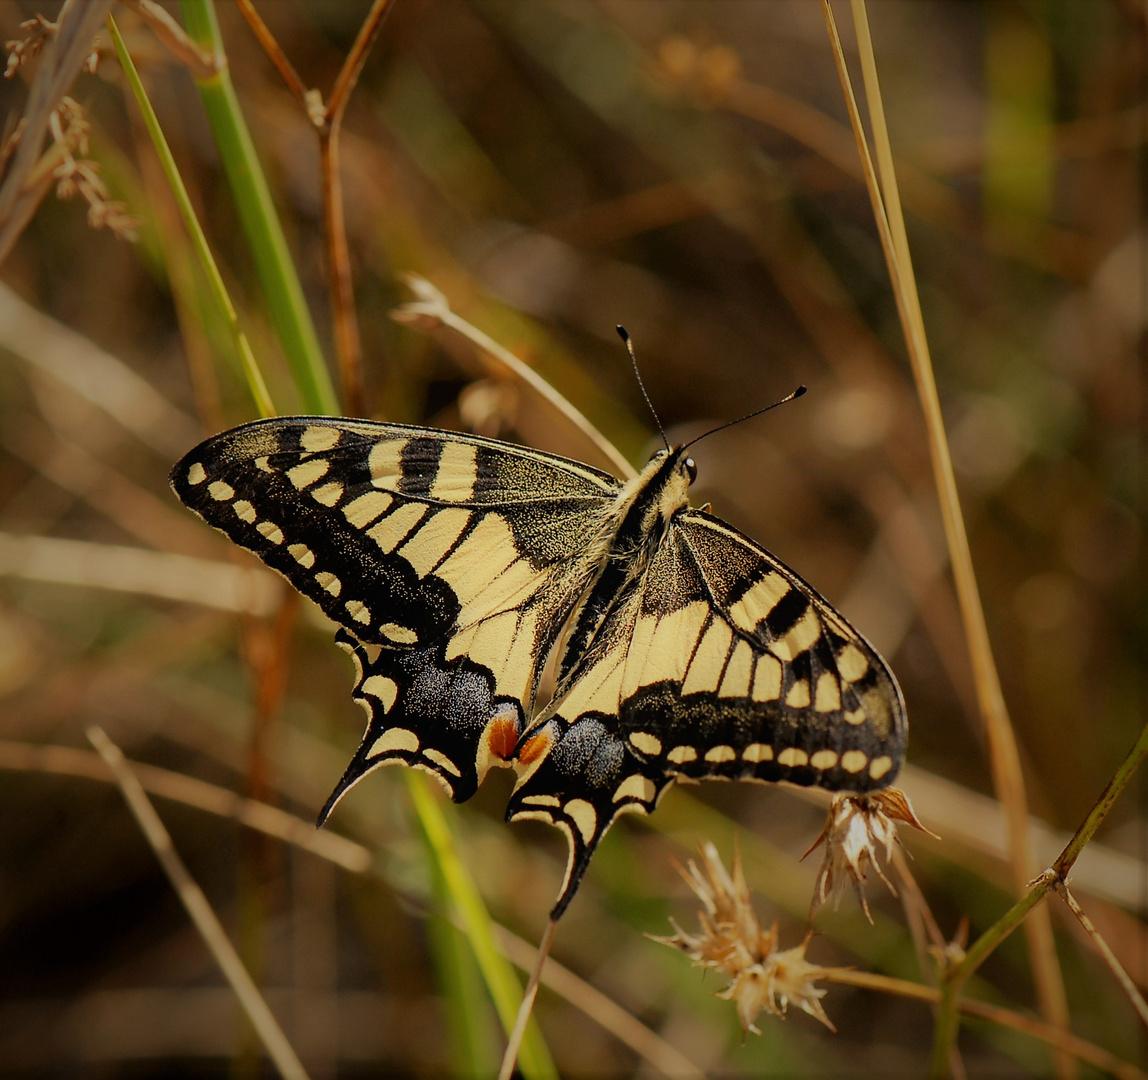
{"points": [[457, 566]]}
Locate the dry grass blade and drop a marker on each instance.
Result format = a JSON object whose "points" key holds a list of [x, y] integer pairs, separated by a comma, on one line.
{"points": [[514, 1042], [98, 377], [136, 570], [356, 859], [200, 911], [1008, 779], [270, 820], [604, 1011], [1114, 965], [430, 309]]}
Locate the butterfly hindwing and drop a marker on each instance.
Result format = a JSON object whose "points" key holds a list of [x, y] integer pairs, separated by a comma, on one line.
{"points": [[719, 663], [451, 560]]}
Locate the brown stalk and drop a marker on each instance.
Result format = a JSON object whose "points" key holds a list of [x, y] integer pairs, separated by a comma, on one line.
{"points": [[327, 121], [1008, 779], [1063, 1041]]}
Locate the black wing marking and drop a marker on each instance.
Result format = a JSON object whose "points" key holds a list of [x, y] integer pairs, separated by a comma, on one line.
{"points": [[720, 663], [452, 560]]}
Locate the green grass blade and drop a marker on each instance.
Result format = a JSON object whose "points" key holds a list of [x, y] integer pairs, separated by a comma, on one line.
{"points": [[286, 305], [506, 991], [251, 372]]}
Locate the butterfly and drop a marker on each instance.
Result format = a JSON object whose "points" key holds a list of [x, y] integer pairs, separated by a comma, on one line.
{"points": [[457, 567]]}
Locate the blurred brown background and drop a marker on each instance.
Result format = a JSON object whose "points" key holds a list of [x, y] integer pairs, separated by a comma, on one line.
{"points": [[556, 167]]}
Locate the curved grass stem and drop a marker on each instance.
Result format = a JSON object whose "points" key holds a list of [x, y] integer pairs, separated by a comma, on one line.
{"points": [[255, 382]]}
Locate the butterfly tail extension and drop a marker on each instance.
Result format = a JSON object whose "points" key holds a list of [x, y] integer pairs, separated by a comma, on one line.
{"points": [[422, 711], [579, 777]]}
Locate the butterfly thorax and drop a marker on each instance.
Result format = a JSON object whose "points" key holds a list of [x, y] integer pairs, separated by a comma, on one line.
{"points": [[630, 538]]}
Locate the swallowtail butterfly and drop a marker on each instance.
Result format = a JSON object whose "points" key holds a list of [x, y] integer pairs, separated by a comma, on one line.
{"points": [[455, 566]]}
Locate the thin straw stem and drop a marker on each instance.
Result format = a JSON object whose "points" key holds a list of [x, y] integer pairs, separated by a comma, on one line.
{"points": [[200, 911], [1004, 757], [510, 1057], [1114, 965]]}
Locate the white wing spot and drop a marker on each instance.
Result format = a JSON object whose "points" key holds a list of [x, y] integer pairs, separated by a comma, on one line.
{"points": [[396, 525], [738, 672], [385, 462], [584, 816], [358, 611], [851, 663], [244, 511], [328, 494], [824, 759], [542, 800], [395, 738], [718, 754], [798, 637], [827, 697], [757, 751], [270, 531], [425, 548], [767, 678], [760, 599], [456, 474], [303, 555], [386, 690], [441, 760], [196, 474], [263, 464], [636, 787], [880, 766], [329, 582], [362, 511], [306, 473], [645, 743], [798, 696], [220, 491], [791, 757], [403, 635], [315, 439], [705, 668], [853, 761], [679, 755], [855, 716]]}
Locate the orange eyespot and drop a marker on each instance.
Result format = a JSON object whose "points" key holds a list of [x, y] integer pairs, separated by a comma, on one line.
{"points": [[534, 748], [502, 737]]}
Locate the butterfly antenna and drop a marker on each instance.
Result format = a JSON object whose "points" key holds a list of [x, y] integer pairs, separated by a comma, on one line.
{"points": [[748, 416], [624, 334]]}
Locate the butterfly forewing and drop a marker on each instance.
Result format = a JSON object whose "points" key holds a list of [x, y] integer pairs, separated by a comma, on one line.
{"points": [[451, 560]]}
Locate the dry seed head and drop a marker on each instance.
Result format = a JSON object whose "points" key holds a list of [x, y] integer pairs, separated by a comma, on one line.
{"points": [[20, 52], [731, 940], [860, 830]]}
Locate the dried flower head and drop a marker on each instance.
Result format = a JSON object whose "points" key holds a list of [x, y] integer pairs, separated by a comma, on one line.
{"points": [[39, 30], [76, 175], [859, 830], [731, 939]]}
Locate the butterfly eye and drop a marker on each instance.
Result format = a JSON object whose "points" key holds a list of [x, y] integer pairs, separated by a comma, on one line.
{"points": [[691, 468]]}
